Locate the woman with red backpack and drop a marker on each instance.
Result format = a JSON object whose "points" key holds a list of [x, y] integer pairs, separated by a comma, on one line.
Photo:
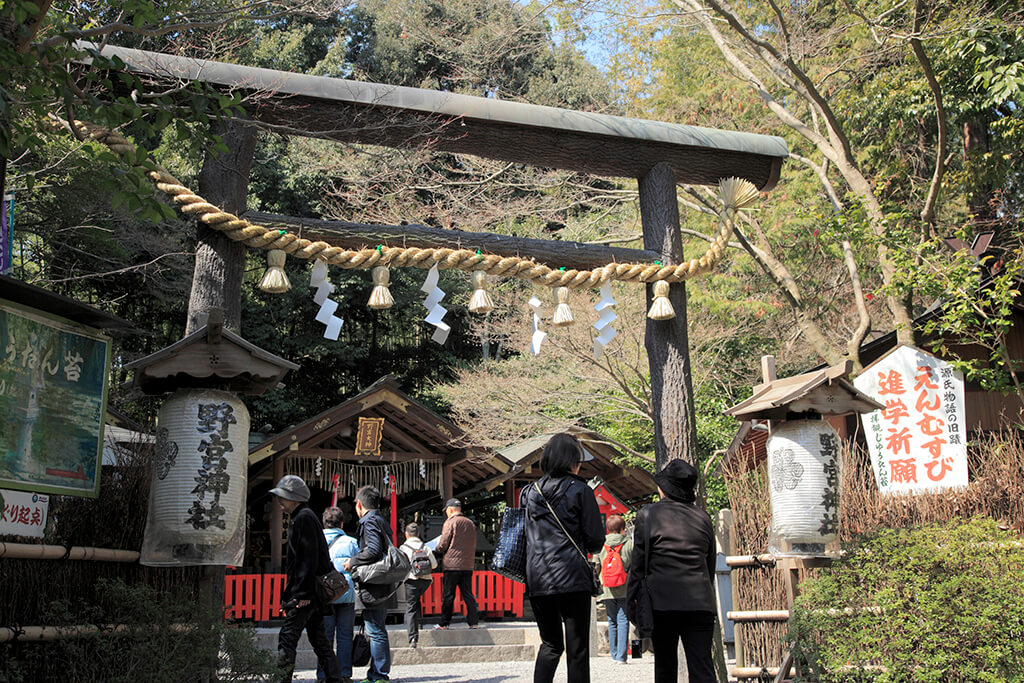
{"points": [[615, 560]]}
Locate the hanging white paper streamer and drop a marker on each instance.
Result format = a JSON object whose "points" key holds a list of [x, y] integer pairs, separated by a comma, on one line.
{"points": [[327, 317], [605, 331], [423, 469], [323, 290], [435, 311], [319, 273], [538, 335], [318, 279], [319, 467]]}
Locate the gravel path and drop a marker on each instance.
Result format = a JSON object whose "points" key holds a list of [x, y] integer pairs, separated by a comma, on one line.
{"points": [[602, 670]]}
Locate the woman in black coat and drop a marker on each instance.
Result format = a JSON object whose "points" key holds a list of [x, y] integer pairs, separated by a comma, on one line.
{"points": [[559, 579], [675, 540]]}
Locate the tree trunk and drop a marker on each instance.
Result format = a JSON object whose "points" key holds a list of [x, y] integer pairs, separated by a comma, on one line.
{"points": [[666, 341], [983, 213], [220, 262]]}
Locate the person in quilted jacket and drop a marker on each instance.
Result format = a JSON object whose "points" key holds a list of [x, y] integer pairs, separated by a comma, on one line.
{"points": [[559, 578]]}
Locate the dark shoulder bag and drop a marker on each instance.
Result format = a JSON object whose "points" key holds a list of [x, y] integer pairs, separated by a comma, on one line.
{"points": [[332, 585], [595, 581]]}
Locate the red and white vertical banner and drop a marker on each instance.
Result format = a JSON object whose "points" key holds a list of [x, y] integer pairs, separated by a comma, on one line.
{"points": [[918, 442], [335, 480], [23, 514], [393, 487]]}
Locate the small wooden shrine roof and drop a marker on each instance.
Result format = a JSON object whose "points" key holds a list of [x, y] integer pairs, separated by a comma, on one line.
{"points": [[411, 432], [825, 391], [626, 482], [212, 357], [30, 296], [395, 116]]}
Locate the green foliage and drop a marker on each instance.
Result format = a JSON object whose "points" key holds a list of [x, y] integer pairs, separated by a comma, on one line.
{"points": [[143, 636], [939, 603]]}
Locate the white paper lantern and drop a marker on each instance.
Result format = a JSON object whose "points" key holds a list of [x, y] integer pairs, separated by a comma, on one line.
{"points": [[803, 475], [200, 468]]}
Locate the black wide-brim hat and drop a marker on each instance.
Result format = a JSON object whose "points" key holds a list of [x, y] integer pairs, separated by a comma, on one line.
{"points": [[678, 479]]}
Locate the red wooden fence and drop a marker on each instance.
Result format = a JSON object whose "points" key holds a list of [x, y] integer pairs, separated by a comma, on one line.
{"points": [[257, 597]]}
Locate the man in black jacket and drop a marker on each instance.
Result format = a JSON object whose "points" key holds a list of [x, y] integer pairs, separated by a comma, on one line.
{"points": [[674, 549], [306, 559], [374, 539]]}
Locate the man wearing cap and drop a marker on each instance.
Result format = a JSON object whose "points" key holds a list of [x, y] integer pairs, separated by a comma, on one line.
{"points": [[306, 558], [458, 548]]}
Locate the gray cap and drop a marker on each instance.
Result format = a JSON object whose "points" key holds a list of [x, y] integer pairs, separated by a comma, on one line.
{"points": [[291, 487], [453, 503]]}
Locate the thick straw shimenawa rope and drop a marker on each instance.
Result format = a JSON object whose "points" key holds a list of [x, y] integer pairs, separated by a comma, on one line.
{"points": [[736, 193]]}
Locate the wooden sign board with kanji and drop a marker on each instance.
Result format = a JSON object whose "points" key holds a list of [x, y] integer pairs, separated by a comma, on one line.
{"points": [[371, 429], [918, 440], [53, 398]]}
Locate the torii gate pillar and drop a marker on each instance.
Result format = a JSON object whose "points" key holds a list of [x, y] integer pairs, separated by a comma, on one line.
{"points": [[667, 341]]}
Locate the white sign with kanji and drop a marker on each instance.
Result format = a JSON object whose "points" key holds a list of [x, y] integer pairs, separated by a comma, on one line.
{"points": [[23, 514], [918, 442]]}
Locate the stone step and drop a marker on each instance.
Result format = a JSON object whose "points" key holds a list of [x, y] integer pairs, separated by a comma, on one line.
{"points": [[470, 653], [495, 643]]}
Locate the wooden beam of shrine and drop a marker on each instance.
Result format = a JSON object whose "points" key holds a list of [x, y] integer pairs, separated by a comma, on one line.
{"points": [[350, 455], [554, 253]]}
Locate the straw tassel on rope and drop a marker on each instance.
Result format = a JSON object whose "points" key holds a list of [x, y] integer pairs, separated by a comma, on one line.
{"points": [[481, 301], [275, 280], [381, 297], [563, 315], [661, 308]]}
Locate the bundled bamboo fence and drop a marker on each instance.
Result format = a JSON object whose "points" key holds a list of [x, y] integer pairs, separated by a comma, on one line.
{"points": [[996, 490]]}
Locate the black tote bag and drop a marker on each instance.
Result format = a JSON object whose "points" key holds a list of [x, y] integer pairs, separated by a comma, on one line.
{"points": [[510, 554]]}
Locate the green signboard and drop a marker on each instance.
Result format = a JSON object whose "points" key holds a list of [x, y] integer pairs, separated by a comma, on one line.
{"points": [[53, 399]]}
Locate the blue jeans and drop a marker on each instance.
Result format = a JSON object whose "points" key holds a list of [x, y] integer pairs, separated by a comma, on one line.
{"points": [[338, 626], [618, 628], [380, 648]]}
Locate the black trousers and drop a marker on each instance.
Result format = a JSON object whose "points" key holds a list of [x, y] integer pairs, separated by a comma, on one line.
{"points": [[414, 589], [307, 618], [696, 629], [552, 612], [464, 581]]}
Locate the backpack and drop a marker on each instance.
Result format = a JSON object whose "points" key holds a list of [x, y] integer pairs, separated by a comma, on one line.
{"points": [[613, 574], [421, 565]]}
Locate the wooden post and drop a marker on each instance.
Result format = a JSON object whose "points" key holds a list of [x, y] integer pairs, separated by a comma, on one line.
{"points": [[447, 482], [667, 341], [220, 261], [276, 521]]}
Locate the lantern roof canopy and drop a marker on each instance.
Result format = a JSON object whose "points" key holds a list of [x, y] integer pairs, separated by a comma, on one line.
{"points": [[826, 391], [212, 357], [398, 116]]}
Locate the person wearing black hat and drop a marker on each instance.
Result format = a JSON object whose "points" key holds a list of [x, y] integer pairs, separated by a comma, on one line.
{"points": [[307, 557], [675, 540], [563, 523], [457, 546]]}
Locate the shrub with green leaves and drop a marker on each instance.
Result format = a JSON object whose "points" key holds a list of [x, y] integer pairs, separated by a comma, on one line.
{"points": [[143, 635], [938, 603]]}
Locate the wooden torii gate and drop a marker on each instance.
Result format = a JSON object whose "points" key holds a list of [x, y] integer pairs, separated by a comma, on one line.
{"points": [[658, 155]]}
